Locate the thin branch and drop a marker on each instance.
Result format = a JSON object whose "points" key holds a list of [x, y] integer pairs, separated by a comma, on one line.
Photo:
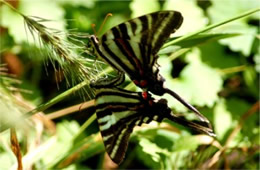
{"points": [[70, 110], [235, 131]]}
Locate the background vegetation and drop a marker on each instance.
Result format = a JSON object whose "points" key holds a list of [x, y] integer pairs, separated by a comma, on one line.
{"points": [[44, 61]]}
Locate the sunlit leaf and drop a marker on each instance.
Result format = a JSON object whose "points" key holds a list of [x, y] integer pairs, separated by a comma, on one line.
{"points": [[203, 39], [152, 155], [138, 9], [192, 14], [45, 9], [222, 119], [219, 8], [252, 81], [198, 83], [5, 161], [250, 76], [257, 61], [195, 41], [65, 131], [186, 143], [87, 4]]}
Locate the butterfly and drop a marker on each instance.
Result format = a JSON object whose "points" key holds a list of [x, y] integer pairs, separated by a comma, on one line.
{"points": [[119, 111], [131, 47]]}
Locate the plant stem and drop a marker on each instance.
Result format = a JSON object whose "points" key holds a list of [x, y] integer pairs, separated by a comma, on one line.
{"points": [[232, 69], [84, 126], [178, 53], [11, 7], [210, 27]]}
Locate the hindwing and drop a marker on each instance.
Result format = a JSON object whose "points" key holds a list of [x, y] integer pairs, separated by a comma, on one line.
{"points": [[119, 111]]}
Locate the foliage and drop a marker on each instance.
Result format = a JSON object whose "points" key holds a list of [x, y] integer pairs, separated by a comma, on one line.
{"points": [[217, 71]]}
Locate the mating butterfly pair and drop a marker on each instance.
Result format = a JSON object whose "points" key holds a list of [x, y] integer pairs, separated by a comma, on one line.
{"points": [[131, 48]]}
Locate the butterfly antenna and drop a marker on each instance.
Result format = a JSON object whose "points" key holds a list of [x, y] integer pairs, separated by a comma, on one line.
{"points": [[189, 106], [93, 26], [103, 23]]}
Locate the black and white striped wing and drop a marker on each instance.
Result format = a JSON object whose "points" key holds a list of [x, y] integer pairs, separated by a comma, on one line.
{"points": [[151, 29], [118, 112], [132, 46]]}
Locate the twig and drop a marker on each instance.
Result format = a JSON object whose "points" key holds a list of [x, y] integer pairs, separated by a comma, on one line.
{"points": [[235, 131], [70, 110]]}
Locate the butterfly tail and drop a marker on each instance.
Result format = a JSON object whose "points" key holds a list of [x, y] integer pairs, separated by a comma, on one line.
{"points": [[206, 129], [189, 106]]}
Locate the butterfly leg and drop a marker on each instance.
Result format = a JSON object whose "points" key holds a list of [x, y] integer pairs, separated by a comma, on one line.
{"points": [[114, 82]]}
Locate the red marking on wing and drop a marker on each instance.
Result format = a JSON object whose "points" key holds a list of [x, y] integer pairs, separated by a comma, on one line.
{"points": [[137, 62], [145, 95]]}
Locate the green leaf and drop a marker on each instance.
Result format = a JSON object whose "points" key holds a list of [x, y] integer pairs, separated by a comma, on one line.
{"points": [[152, 155], [5, 161], [252, 81], [257, 62], [185, 143], [113, 21], [237, 107], [219, 8], [166, 138], [250, 76], [198, 83], [227, 114], [248, 37], [137, 7], [222, 119], [161, 137], [195, 41], [193, 15], [14, 23], [10, 112], [75, 3], [214, 54], [204, 38]]}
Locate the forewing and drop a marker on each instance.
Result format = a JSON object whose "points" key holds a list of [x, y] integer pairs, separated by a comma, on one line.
{"points": [[128, 56], [151, 30]]}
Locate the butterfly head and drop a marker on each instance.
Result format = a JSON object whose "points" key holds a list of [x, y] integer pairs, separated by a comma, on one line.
{"points": [[92, 44]]}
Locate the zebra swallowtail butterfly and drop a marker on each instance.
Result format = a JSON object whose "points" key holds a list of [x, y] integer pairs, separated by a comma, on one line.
{"points": [[132, 47], [119, 111]]}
